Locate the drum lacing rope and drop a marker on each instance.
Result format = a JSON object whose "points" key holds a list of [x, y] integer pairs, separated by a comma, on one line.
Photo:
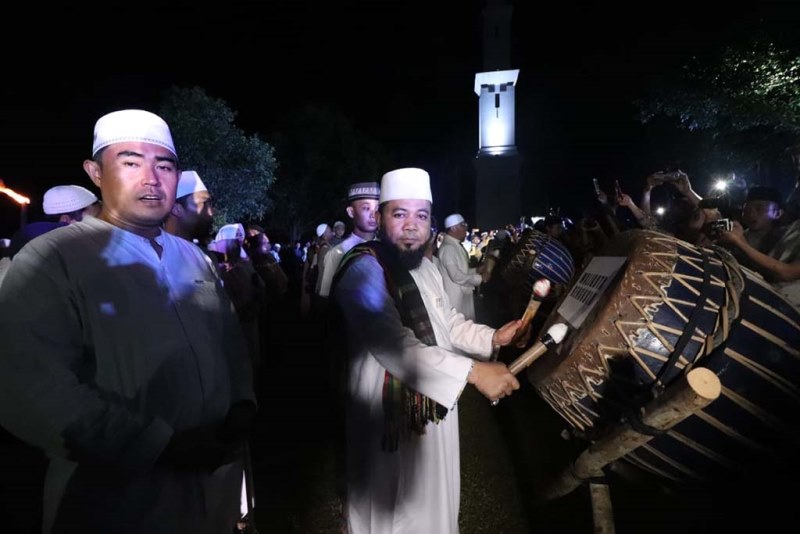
{"points": [[601, 478], [741, 299], [688, 330], [634, 419]]}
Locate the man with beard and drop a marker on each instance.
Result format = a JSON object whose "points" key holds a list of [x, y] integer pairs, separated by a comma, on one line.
{"points": [[407, 368], [192, 216], [122, 358], [362, 199]]}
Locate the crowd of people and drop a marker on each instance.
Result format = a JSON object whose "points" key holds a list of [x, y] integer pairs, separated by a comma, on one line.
{"points": [[133, 339]]}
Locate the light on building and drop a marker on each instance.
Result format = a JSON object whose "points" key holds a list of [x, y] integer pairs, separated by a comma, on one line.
{"points": [[495, 90]]}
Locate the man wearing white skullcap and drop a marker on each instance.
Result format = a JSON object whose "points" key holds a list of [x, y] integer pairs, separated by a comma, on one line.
{"points": [[410, 356], [459, 279], [192, 215], [229, 241], [70, 203], [122, 357]]}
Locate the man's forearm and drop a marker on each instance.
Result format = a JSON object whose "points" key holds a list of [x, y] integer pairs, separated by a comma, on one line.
{"points": [[770, 267]]}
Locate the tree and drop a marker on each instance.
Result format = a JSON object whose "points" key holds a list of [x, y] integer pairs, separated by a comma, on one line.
{"points": [[756, 85], [321, 153], [742, 104], [237, 168]]}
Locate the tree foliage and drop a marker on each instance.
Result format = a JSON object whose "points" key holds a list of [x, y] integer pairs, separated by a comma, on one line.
{"points": [[237, 168], [740, 105], [755, 85], [321, 153]]}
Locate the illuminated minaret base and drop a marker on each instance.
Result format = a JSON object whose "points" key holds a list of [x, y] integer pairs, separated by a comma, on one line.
{"points": [[497, 165]]}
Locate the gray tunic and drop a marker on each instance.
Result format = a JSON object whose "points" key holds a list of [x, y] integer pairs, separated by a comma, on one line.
{"points": [[109, 349]]}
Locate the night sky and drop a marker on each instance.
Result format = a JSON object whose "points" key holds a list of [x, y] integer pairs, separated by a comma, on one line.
{"points": [[403, 71]]}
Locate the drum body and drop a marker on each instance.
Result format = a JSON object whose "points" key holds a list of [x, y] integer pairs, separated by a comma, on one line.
{"points": [[673, 307], [535, 256]]}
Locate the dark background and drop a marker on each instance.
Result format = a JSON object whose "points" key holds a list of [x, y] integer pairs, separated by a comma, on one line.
{"points": [[403, 70]]}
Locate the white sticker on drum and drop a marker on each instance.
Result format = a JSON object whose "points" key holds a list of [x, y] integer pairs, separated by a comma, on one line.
{"points": [[594, 279]]}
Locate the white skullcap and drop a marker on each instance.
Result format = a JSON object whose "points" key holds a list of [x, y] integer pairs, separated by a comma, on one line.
{"points": [[452, 220], [229, 231], [66, 199], [131, 125], [321, 229], [406, 184], [338, 223], [189, 183]]}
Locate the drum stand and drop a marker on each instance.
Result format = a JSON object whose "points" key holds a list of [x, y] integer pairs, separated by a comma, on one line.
{"points": [[693, 392]]}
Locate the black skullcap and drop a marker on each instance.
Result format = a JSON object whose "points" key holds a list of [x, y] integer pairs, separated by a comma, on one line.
{"points": [[761, 192]]}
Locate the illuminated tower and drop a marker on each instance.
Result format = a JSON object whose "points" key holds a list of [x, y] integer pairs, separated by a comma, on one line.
{"points": [[497, 166]]}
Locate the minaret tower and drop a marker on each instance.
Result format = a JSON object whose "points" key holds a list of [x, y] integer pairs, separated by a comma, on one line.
{"points": [[498, 182]]}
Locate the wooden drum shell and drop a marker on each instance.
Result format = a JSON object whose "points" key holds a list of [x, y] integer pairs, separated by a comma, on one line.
{"points": [[605, 371]]}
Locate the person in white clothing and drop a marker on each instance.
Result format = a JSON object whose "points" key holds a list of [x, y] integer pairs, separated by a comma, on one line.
{"points": [[405, 374], [459, 279], [362, 200], [70, 203], [122, 357], [192, 215]]}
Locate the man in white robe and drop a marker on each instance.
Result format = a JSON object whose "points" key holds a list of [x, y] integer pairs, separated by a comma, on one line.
{"points": [[362, 201], [122, 358], [459, 279], [415, 488]]}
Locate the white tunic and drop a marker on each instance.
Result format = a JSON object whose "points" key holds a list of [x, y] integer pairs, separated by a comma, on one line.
{"points": [[107, 351], [415, 489], [459, 280], [332, 260]]}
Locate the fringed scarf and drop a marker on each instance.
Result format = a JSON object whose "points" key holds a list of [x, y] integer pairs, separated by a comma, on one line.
{"points": [[404, 409]]}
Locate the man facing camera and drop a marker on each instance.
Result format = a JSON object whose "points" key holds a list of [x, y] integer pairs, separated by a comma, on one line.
{"points": [[407, 368], [123, 359]]}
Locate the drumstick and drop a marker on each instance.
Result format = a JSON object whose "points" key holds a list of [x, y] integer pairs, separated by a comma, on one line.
{"points": [[555, 335], [540, 290]]}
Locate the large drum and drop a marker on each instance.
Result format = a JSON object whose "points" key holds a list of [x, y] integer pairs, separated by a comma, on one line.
{"points": [[536, 255], [672, 307]]}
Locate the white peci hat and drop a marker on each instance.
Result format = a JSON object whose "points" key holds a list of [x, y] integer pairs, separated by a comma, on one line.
{"points": [[131, 125], [66, 199], [406, 184], [321, 229], [189, 183], [452, 220], [229, 231]]}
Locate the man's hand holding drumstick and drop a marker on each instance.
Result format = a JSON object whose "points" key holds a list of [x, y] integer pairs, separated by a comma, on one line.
{"points": [[540, 290]]}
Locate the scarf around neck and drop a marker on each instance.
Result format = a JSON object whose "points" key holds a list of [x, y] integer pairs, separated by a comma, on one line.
{"points": [[404, 408]]}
